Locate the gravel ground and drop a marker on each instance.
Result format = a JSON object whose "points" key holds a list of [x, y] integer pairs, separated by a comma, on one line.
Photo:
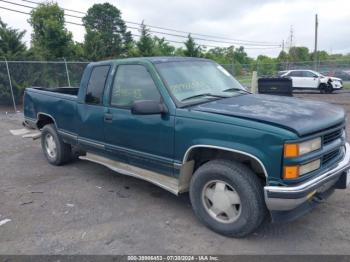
{"points": [[84, 208]]}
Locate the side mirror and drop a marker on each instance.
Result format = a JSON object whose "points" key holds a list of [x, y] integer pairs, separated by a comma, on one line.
{"points": [[148, 107]]}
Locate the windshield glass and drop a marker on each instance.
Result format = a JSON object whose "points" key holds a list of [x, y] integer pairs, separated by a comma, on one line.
{"points": [[190, 81]]}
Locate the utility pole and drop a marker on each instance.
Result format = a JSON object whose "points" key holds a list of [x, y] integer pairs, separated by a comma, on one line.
{"points": [[291, 57], [291, 37], [315, 51]]}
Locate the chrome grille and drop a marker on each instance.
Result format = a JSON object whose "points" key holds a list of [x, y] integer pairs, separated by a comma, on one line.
{"points": [[330, 156], [330, 137]]}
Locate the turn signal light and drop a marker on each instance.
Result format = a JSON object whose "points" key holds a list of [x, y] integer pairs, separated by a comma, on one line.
{"points": [[291, 150], [291, 172]]}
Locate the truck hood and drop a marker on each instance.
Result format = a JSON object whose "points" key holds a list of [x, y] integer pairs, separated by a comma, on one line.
{"points": [[300, 116]]}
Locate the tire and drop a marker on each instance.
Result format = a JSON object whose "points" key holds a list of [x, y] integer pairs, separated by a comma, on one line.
{"points": [[242, 218], [322, 88], [55, 150], [326, 88]]}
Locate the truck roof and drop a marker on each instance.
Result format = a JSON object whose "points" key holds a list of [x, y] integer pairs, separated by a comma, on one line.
{"points": [[156, 59]]}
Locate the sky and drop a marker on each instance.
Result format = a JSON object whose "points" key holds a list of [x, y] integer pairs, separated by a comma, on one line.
{"points": [[252, 20]]}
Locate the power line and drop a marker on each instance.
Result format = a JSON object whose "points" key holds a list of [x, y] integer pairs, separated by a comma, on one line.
{"points": [[179, 31], [157, 32], [168, 40], [32, 7], [26, 13], [201, 39], [75, 11]]}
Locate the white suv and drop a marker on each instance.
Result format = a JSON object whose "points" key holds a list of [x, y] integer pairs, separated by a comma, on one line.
{"points": [[308, 79]]}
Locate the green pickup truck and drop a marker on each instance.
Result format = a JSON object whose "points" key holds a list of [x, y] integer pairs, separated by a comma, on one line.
{"points": [[186, 125]]}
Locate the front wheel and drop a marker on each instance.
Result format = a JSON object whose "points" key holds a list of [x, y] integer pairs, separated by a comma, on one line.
{"points": [[55, 150], [228, 198], [326, 88]]}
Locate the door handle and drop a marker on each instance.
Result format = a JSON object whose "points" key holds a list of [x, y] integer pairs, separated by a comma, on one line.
{"points": [[108, 118]]}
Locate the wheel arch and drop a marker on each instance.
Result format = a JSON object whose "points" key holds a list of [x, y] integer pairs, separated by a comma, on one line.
{"points": [[44, 119], [191, 161]]}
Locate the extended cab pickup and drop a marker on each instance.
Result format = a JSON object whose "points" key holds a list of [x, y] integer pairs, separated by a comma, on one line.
{"points": [[185, 124]]}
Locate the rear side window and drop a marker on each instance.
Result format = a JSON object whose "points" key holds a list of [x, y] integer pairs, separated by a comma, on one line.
{"points": [[296, 73], [132, 83], [96, 84]]}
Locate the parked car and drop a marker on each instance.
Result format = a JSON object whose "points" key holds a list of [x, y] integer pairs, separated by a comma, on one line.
{"points": [[342, 74], [185, 124], [309, 79]]}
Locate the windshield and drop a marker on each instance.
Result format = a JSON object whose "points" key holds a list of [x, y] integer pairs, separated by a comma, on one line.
{"points": [[190, 81]]}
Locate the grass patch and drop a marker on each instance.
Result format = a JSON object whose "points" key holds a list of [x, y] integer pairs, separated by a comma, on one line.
{"points": [[346, 85]]}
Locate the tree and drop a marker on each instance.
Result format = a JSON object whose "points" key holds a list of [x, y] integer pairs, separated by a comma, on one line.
{"points": [[162, 47], [50, 38], [321, 56], [11, 44], [145, 45], [192, 49], [11, 47], [106, 33], [266, 65], [299, 54], [240, 56]]}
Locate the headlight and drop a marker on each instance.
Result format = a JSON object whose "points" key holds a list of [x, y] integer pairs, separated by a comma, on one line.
{"points": [[293, 172], [299, 149]]}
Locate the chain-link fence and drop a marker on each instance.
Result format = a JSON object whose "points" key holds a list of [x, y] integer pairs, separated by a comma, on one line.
{"points": [[15, 76], [243, 72]]}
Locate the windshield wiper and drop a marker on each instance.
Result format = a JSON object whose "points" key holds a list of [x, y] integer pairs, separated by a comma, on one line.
{"points": [[235, 89], [200, 95]]}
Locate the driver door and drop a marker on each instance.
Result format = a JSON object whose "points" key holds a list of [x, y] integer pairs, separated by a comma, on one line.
{"points": [[145, 141], [310, 79]]}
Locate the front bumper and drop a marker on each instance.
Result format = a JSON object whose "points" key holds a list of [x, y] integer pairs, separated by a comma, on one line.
{"points": [[285, 198], [337, 85]]}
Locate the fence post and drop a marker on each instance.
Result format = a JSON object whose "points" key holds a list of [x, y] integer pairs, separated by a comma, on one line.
{"points": [[65, 63], [11, 88], [254, 83]]}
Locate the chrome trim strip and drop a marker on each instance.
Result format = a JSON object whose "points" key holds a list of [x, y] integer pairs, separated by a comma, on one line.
{"points": [[70, 135], [177, 165], [159, 159], [226, 149], [90, 143]]}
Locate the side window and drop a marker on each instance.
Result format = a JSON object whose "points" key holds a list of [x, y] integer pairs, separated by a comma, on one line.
{"points": [[96, 84], [131, 83], [308, 74], [295, 74]]}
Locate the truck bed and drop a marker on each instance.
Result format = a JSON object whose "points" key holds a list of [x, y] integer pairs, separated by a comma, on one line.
{"points": [[61, 90], [59, 103]]}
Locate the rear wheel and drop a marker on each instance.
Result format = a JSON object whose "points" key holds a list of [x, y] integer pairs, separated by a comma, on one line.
{"points": [[228, 198], [55, 150]]}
